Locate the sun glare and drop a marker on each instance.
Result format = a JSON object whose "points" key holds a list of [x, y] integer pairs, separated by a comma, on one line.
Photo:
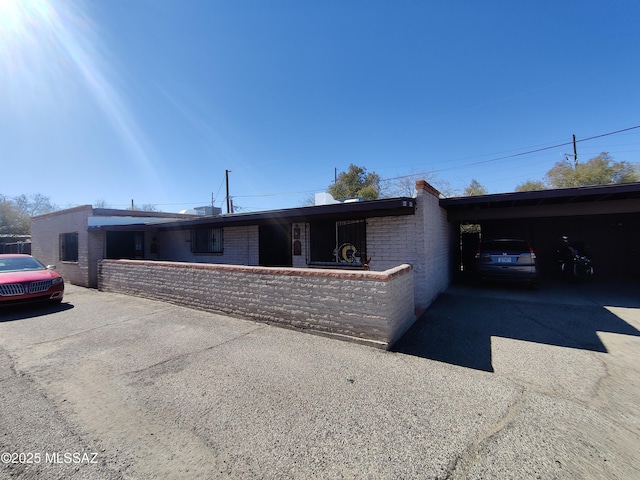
{"points": [[49, 57], [28, 46], [9, 14], [20, 18]]}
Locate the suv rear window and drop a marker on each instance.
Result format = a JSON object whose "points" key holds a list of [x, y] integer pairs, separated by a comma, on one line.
{"points": [[505, 246]]}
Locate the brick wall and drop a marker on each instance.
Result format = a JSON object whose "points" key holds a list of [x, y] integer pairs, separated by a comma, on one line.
{"points": [[240, 245], [422, 240], [373, 307], [45, 233], [434, 275]]}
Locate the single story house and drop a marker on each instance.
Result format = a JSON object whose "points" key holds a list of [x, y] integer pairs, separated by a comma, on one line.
{"points": [[358, 270], [354, 269], [376, 234]]}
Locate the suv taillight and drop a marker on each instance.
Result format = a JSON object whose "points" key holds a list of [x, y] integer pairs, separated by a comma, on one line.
{"points": [[533, 254]]}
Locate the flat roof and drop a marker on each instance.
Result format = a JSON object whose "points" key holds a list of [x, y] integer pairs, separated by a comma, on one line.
{"points": [[597, 193], [337, 211]]}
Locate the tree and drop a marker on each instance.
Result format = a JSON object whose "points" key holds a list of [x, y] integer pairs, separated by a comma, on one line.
{"points": [[12, 221], [405, 186], [356, 183], [16, 213], [101, 203], [600, 170], [531, 185], [474, 188], [148, 207], [32, 205]]}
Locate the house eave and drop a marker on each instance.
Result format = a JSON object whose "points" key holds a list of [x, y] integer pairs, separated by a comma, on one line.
{"points": [[340, 211]]}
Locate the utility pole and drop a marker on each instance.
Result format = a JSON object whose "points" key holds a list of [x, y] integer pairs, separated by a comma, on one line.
{"points": [[575, 153], [226, 175]]}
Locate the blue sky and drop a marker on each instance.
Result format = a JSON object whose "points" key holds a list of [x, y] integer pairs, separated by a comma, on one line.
{"points": [[152, 100]]}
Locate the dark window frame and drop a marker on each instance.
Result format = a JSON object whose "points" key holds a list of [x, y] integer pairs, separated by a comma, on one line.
{"points": [[68, 247], [207, 241]]}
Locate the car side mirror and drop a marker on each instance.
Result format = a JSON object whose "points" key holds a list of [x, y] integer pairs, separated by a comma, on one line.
{"points": [[51, 267]]}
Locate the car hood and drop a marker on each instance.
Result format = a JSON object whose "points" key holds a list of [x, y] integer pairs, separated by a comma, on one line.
{"points": [[28, 276]]}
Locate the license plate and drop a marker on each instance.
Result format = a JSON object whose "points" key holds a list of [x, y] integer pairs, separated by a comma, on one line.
{"points": [[505, 259]]}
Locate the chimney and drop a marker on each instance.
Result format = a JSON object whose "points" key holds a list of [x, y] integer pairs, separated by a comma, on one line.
{"points": [[422, 185]]}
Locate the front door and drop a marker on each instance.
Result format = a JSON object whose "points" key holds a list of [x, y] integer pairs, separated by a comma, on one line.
{"points": [[275, 245]]}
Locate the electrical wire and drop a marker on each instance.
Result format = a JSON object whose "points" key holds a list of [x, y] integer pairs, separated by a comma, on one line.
{"points": [[521, 153], [481, 162]]}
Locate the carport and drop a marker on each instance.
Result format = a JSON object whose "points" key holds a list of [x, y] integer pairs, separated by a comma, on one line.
{"points": [[605, 218]]}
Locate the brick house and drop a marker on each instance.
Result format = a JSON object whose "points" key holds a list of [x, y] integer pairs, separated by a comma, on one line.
{"points": [[377, 234], [74, 239]]}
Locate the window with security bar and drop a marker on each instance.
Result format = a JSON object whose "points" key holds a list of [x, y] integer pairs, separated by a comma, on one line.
{"points": [[206, 240], [68, 247], [338, 243]]}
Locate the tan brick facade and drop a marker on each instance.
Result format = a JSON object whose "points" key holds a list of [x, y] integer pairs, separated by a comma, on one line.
{"points": [[45, 233], [373, 307], [377, 305]]}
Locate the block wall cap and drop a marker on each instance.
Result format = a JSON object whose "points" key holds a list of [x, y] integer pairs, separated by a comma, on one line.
{"points": [[383, 276]]}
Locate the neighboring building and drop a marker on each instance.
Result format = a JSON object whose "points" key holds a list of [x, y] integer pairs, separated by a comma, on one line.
{"points": [[376, 235], [15, 243]]}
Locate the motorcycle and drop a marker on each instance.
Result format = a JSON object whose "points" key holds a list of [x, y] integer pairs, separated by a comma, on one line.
{"points": [[574, 260]]}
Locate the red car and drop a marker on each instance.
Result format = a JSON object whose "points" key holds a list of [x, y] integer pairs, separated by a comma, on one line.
{"points": [[23, 279]]}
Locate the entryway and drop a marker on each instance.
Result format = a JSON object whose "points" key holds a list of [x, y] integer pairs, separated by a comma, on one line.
{"points": [[275, 245]]}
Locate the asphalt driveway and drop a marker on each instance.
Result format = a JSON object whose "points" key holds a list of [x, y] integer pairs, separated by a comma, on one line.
{"points": [[490, 383]]}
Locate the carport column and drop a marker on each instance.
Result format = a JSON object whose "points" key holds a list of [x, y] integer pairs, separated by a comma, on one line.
{"points": [[432, 274]]}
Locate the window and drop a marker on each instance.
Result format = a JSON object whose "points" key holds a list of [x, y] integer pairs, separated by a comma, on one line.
{"points": [[343, 243], [69, 247], [206, 240]]}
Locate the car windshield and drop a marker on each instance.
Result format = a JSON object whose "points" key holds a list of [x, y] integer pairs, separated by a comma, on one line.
{"points": [[19, 264]]}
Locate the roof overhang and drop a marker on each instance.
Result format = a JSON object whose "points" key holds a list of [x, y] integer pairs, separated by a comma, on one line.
{"points": [[339, 211], [596, 200]]}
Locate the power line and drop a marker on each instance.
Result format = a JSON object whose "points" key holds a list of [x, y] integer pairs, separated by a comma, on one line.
{"points": [[481, 162], [529, 152]]}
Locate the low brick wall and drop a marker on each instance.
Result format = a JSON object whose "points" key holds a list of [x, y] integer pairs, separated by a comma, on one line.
{"points": [[371, 307]]}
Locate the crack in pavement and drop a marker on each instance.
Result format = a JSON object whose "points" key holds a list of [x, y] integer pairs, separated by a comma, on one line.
{"points": [[461, 464], [197, 352]]}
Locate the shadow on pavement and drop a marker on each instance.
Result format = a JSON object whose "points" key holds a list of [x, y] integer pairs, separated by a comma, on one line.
{"points": [[20, 312], [457, 328]]}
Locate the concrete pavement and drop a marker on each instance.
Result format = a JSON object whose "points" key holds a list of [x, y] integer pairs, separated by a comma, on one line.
{"points": [[487, 384]]}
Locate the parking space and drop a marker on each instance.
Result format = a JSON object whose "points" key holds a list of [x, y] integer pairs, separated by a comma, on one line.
{"points": [[603, 218], [492, 382], [462, 325]]}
